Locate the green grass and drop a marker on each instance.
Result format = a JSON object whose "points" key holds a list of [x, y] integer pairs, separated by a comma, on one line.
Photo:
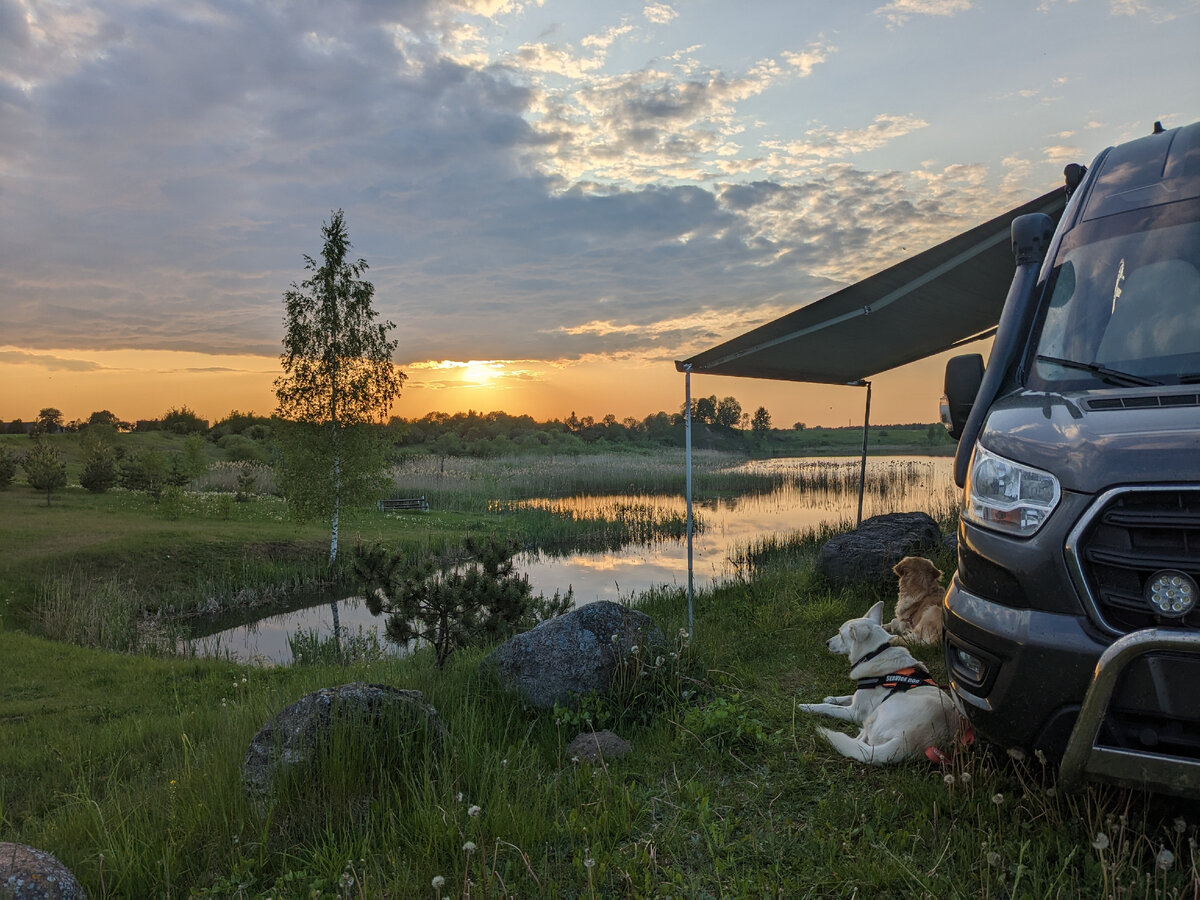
{"points": [[127, 768]]}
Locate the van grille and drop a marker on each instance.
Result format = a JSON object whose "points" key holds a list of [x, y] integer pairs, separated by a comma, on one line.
{"points": [[1129, 537]]}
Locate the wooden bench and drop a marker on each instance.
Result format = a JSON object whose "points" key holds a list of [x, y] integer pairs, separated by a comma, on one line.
{"points": [[397, 504]]}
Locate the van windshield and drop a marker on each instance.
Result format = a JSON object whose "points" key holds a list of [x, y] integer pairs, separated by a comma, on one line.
{"points": [[1124, 305]]}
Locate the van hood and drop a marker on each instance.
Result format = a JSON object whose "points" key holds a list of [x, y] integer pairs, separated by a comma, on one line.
{"points": [[1092, 440]]}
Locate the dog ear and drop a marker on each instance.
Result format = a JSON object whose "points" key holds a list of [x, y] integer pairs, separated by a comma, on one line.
{"points": [[900, 567], [860, 632], [875, 613]]}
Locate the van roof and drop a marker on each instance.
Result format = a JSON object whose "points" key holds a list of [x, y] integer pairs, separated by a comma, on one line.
{"points": [[1159, 168]]}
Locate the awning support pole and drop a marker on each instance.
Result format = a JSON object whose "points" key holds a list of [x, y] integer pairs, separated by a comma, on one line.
{"points": [[687, 452], [862, 473]]}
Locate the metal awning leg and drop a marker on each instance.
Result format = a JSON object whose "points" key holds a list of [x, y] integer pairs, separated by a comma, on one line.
{"points": [[862, 472], [687, 444]]}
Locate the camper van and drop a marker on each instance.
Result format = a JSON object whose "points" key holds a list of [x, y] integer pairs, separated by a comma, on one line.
{"points": [[1072, 625]]}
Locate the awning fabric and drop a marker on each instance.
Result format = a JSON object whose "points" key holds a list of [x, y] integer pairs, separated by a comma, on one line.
{"points": [[945, 296]]}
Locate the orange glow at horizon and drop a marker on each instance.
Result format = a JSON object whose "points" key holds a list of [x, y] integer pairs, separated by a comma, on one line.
{"points": [[140, 384]]}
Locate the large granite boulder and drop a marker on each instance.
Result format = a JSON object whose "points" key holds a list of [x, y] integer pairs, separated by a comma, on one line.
{"points": [[27, 873], [390, 724], [572, 654], [867, 554]]}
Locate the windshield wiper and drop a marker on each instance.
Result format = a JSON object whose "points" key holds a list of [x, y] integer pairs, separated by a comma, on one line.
{"points": [[1104, 372]]}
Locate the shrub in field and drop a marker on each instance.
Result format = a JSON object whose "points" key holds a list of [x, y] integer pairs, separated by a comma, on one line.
{"points": [[8, 467], [481, 602], [45, 469], [146, 470], [99, 468]]}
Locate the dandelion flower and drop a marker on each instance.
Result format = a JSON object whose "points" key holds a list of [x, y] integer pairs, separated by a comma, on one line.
{"points": [[575, 759], [473, 811], [438, 882], [469, 847], [997, 799], [458, 797], [658, 661], [1180, 824], [589, 862], [948, 778], [993, 858], [633, 649], [1041, 755], [1016, 753], [504, 763], [1165, 859], [965, 777], [1100, 841]]}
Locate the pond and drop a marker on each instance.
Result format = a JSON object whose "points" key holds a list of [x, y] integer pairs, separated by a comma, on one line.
{"points": [[810, 493]]}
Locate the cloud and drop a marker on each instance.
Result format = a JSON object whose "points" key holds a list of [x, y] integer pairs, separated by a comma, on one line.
{"points": [[48, 361], [900, 11], [659, 13]]}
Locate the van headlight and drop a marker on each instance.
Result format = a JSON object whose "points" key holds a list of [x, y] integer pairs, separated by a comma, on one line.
{"points": [[1007, 496]]}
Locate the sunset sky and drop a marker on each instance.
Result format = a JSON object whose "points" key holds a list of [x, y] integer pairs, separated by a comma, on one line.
{"points": [[556, 199]]}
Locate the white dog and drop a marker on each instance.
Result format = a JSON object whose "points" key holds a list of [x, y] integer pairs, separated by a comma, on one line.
{"points": [[901, 709]]}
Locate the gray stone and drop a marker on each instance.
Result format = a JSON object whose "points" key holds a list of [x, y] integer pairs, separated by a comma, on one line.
{"points": [[576, 653], [27, 873], [593, 746], [867, 554], [295, 735]]}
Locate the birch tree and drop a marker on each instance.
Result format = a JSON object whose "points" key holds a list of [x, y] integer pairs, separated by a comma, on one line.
{"points": [[338, 379]]}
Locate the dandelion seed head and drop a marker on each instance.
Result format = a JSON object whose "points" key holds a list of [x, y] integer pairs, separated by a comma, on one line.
{"points": [[589, 862], [997, 799], [458, 797], [658, 660], [1041, 755], [1016, 753], [474, 811], [1180, 824], [993, 858], [1100, 841], [965, 777], [575, 760], [438, 882], [634, 649], [948, 778], [504, 763], [1165, 859], [469, 847]]}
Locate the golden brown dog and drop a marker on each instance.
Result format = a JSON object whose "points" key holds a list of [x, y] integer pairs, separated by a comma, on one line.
{"points": [[919, 605]]}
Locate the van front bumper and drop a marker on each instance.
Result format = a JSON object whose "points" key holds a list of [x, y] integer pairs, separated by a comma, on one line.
{"points": [[1126, 712]]}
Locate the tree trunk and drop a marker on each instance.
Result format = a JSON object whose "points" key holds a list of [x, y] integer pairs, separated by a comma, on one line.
{"points": [[333, 540]]}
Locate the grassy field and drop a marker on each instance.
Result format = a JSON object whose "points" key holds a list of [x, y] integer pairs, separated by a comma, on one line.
{"points": [[127, 766]]}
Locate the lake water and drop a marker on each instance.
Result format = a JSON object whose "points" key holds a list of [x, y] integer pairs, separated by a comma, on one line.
{"points": [[895, 484]]}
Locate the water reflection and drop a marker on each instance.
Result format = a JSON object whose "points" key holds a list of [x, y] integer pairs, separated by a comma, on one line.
{"points": [[807, 493]]}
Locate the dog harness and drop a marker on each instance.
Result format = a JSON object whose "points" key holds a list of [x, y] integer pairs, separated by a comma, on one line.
{"points": [[903, 680], [899, 681]]}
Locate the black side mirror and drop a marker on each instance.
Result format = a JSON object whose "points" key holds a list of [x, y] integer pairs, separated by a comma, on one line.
{"points": [[964, 374]]}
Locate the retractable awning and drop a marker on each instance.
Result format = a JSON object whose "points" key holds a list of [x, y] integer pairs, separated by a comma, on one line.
{"points": [[948, 295]]}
